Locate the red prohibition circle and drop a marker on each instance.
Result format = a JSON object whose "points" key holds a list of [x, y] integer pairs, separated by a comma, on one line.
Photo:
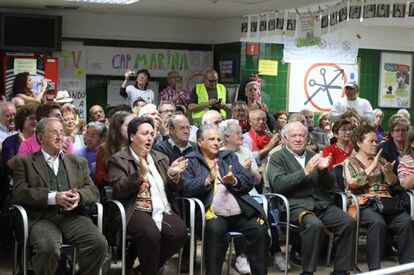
{"points": [[306, 87]]}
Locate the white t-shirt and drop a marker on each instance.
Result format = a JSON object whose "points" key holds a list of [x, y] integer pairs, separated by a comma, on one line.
{"points": [[135, 93], [361, 105]]}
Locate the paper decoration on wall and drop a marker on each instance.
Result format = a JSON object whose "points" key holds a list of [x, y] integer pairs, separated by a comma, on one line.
{"points": [[263, 23], [244, 27], [355, 10], [369, 10], [333, 18], [383, 10], [268, 67], [325, 22], [411, 10], [398, 10], [254, 32], [342, 12], [309, 29], [291, 24], [271, 24], [280, 22]]}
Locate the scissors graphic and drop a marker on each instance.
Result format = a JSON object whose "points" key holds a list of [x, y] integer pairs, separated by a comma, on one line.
{"points": [[325, 86]]}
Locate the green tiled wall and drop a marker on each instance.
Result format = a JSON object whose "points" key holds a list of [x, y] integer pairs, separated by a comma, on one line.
{"points": [[274, 89]]}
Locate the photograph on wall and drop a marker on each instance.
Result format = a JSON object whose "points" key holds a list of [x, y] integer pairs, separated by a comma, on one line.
{"points": [[411, 10], [343, 14], [355, 9], [263, 23], [325, 22], [395, 80], [244, 27], [369, 11], [383, 10], [398, 10]]}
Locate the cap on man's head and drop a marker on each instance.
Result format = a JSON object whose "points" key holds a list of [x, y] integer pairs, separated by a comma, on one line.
{"points": [[351, 84]]}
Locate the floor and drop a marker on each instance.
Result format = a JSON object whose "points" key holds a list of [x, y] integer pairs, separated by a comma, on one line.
{"points": [[171, 267]]}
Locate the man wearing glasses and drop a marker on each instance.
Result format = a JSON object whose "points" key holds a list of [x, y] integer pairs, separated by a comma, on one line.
{"points": [[179, 142], [209, 95], [174, 91]]}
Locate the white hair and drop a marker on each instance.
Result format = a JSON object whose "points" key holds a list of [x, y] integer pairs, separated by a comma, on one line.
{"points": [[286, 128], [147, 109], [405, 113], [225, 128], [379, 111], [208, 115]]}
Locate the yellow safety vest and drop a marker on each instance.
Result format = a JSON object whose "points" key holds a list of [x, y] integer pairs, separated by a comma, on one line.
{"points": [[202, 96]]}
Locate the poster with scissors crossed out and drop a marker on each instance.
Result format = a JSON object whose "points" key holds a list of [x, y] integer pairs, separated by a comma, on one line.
{"points": [[318, 86]]}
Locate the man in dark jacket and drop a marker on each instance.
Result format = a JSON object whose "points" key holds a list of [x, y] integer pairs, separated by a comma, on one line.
{"points": [[217, 178], [302, 176], [53, 186], [179, 142]]}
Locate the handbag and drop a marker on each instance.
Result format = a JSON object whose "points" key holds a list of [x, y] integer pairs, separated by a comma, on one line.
{"points": [[387, 205]]}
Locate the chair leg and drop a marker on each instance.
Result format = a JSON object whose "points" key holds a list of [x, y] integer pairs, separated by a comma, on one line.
{"points": [[15, 252], [74, 261], [329, 252], [229, 258]]}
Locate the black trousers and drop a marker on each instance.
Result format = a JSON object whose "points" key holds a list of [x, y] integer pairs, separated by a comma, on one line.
{"points": [[216, 242], [377, 225], [155, 247], [313, 232]]}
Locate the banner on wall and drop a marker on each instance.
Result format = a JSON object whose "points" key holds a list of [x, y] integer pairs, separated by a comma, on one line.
{"points": [[317, 86], [331, 50], [395, 80], [114, 61]]}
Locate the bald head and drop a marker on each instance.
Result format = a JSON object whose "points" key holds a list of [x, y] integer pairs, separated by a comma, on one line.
{"points": [[211, 78], [212, 117]]}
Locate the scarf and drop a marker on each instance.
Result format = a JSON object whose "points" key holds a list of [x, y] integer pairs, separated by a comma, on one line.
{"points": [[259, 141]]}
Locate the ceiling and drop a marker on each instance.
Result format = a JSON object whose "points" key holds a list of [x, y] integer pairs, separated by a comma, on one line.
{"points": [[206, 9]]}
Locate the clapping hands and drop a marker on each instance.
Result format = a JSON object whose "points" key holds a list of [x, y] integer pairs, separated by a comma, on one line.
{"points": [[317, 161]]}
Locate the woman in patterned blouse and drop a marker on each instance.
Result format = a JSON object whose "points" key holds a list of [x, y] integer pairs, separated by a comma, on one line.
{"points": [[406, 166], [368, 175]]}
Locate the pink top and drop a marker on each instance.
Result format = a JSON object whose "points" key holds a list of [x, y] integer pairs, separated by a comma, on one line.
{"points": [[30, 146]]}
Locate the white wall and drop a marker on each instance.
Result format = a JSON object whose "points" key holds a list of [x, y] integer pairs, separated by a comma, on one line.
{"points": [[383, 37], [78, 24]]}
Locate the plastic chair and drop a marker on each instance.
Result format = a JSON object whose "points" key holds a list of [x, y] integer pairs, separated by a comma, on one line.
{"points": [[125, 238], [25, 223], [261, 199]]}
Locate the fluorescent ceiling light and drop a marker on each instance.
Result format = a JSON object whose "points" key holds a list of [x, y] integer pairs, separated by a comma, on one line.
{"points": [[114, 2]]}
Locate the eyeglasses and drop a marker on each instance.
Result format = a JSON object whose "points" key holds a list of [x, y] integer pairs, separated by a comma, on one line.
{"points": [[181, 128], [262, 119], [56, 133], [168, 111], [212, 80]]}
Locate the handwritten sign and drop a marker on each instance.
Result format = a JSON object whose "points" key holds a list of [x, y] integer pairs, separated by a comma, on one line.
{"points": [[22, 65], [268, 67]]}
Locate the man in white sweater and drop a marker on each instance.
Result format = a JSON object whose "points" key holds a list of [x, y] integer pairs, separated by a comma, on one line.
{"points": [[351, 101]]}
